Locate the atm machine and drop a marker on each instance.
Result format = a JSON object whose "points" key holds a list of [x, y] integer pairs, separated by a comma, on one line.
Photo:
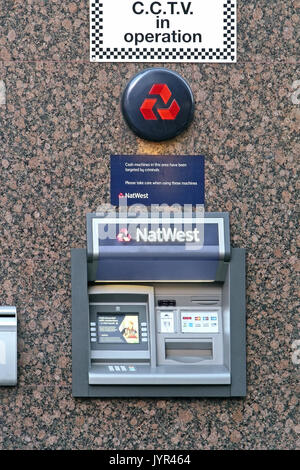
{"points": [[158, 309]]}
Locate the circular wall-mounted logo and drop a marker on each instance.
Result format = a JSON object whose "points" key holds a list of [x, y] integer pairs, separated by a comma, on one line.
{"points": [[158, 104]]}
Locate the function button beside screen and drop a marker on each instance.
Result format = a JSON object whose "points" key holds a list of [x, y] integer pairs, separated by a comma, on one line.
{"points": [[93, 340], [111, 368], [93, 334], [92, 323], [123, 368], [117, 368], [143, 324], [144, 340]]}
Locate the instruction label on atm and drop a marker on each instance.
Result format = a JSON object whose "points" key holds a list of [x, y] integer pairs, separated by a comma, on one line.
{"points": [[167, 322], [157, 179], [163, 31], [199, 322]]}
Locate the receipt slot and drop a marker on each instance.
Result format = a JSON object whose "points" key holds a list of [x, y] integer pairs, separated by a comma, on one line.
{"points": [[158, 310], [8, 346]]}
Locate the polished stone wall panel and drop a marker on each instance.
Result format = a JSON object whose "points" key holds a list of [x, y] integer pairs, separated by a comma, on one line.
{"points": [[58, 128]]}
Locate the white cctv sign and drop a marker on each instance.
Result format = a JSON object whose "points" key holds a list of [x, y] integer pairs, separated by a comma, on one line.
{"points": [[163, 31]]}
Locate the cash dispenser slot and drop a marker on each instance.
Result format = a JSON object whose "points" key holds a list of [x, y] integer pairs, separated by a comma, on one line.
{"points": [[188, 350]]}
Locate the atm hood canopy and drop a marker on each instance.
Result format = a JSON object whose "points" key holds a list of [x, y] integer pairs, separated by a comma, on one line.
{"points": [[161, 249]]}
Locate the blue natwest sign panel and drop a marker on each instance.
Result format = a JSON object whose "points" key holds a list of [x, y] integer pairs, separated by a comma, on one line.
{"points": [[157, 249], [157, 179]]}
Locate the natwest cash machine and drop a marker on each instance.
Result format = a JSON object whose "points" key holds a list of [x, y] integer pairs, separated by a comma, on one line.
{"points": [[158, 308]]}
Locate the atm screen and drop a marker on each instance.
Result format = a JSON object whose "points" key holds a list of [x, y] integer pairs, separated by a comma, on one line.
{"points": [[118, 328]]}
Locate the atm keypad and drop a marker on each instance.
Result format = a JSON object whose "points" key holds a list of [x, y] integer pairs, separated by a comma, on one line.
{"points": [[122, 368]]}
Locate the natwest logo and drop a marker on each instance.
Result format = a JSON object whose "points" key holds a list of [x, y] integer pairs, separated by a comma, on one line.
{"points": [[166, 114], [167, 235], [123, 235], [134, 195]]}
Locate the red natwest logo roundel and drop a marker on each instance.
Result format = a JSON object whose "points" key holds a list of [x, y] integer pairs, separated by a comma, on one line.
{"points": [[123, 235], [158, 104]]}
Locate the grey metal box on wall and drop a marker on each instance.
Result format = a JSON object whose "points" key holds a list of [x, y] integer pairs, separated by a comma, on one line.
{"points": [[8, 346]]}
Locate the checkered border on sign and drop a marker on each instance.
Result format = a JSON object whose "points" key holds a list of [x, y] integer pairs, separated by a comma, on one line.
{"points": [[99, 53]]}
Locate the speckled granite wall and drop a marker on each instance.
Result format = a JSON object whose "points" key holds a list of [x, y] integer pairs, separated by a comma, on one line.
{"points": [[60, 123]]}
